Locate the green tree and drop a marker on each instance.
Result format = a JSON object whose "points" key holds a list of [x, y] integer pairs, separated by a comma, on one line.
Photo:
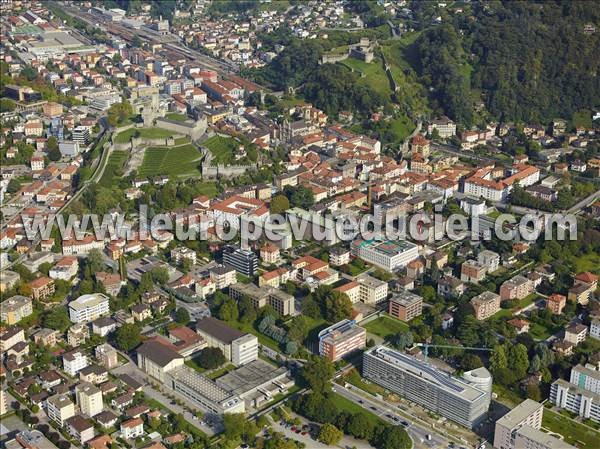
{"points": [[119, 112], [329, 434], [403, 339], [394, 437], [337, 306], [519, 360], [7, 105], [247, 312], [318, 372], [229, 310], [57, 318], [279, 204], [53, 151], [160, 275], [182, 316], [210, 358], [13, 186], [128, 337], [298, 328], [360, 426]]}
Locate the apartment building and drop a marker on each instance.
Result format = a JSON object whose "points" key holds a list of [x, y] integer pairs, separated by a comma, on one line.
{"points": [[472, 271], [283, 303], [60, 408], [78, 334], [489, 259], [339, 255], [89, 399], [520, 428], [15, 308], [74, 361], [243, 260], [517, 287], [405, 306], [556, 303], [132, 428], [223, 276], [341, 339], [586, 377], [485, 305], [575, 399], [454, 398], [576, 333], [386, 254], [87, 308]]}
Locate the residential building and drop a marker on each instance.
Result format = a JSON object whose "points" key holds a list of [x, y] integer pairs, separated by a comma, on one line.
{"points": [[181, 253], [339, 255], [81, 135], [520, 429], [420, 382], [576, 333], [223, 276], [15, 308], [10, 336], [269, 253], [78, 334], [450, 287], [89, 307], [489, 259], [595, 328], [388, 255], [132, 428], [472, 271], [573, 398], [74, 361], [371, 290], [89, 399], [485, 305], [444, 126], [103, 326], [517, 287], [80, 429], [156, 359], [556, 303], [8, 279], [46, 337], [243, 260], [405, 305], [586, 377], [42, 288], [341, 339], [60, 408], [282, 302], [217, 334]]}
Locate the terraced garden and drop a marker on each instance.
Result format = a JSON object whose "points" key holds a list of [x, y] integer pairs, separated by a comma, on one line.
{"points": [[174, 162], [149, 133]]}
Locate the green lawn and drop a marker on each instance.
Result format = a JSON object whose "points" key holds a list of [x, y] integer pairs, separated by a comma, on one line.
{"points": [[208, 188], [178, 161], [372, 74], [150, 133], [220, 371], [385, 326], [353, 377], [175, 116], [538, 331], [222, 148], [114, 165], [588, 262], [573, 432]]}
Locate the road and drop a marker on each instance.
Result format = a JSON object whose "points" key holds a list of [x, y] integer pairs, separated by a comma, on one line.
{"points": [[417, 433]]}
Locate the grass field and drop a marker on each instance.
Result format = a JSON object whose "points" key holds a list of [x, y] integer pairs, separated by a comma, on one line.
{"points": [[373, 74], [222, 148], [385, 326], [573, 432], [150, 133], [178, 161], [175, 116], [114, 165], [588, 262]]}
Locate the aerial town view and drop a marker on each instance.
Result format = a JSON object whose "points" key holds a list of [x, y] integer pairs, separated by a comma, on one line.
{"points": [[299, 224]]}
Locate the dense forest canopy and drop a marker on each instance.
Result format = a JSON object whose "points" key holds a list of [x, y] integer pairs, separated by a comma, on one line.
{"points": [[524, 61]]}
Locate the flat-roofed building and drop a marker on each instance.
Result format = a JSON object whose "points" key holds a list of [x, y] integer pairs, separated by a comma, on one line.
{"points": [[219, 335], [203, 392], [586, 377], [89, 399], [386, 254], [485, 305], [60, 408], [517, 287], [341, 339], [282, 302], [15, 308], [571, 397], [426, 385], [244, 349], [405, 305], [88, 308], [519, 429]]}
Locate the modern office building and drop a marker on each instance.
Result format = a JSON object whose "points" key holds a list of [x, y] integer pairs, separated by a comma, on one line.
{"points": [[520, 429], [81, 135], [88, 308], [386, 254], [575, 399], [405, 305], [243, 260], [426, 385], [236, 346], [341, 339], [89, 399]]}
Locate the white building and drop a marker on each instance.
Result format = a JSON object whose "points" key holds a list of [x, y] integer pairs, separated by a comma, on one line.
{"points": [[89, 307], [73, 362], [389, 255], [60, 408], [244, 349], [595, 328], [89, 399]]}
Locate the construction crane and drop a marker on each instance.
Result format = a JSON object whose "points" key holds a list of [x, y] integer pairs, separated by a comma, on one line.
{"points": [[426, 347]]}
